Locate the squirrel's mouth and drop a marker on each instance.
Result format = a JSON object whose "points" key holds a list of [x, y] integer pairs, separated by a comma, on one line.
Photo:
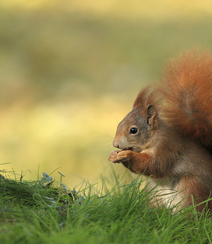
{"points": [[129, 148], [134, 149]]}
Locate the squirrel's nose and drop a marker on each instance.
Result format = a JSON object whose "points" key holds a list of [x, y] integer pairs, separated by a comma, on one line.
{"points": [[115, 144]]}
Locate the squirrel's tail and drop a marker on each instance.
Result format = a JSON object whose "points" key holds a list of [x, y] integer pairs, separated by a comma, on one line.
{"points": [[187, 90]]}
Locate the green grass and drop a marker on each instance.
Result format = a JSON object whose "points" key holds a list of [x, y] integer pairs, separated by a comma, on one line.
{"points": [[41, 212]]}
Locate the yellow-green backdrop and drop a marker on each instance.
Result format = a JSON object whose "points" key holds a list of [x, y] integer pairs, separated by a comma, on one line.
{"points": [[70, 70]]}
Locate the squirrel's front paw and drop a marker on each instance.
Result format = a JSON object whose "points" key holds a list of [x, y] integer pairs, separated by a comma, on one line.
{"points": [[113, 156], [118, 156]]}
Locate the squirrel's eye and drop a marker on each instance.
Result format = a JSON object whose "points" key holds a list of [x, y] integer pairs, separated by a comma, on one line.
{"points": [[133, 130]]}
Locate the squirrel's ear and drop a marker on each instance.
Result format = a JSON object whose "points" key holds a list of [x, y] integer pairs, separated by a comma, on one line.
{"points": [[141, 98], [151, 116], [150, 110]]}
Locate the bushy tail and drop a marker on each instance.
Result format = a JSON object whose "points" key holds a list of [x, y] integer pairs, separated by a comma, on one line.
{"points": [[187, 89]]}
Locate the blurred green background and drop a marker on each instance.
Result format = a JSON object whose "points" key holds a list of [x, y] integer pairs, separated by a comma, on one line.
{"points": [[70, 71]]}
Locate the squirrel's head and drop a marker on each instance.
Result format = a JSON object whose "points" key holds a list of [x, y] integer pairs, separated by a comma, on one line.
{"points": [[139, 125]]}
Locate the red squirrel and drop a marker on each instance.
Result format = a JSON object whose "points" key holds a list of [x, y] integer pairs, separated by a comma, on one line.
{"points": [[169, 139]]}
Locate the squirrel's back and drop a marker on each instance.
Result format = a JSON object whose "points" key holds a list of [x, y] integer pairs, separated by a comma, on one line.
{"points": [[187, 88]]}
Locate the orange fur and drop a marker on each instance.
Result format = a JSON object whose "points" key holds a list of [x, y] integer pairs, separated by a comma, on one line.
{"points": [[172, 142], [188, 94]]}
